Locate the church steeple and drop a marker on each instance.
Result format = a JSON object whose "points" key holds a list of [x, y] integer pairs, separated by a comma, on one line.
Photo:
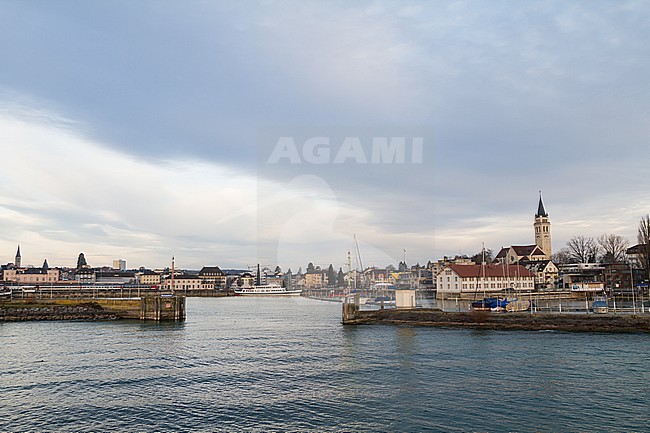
{"points": [[541, 212], [18, 260], [542, 227]]}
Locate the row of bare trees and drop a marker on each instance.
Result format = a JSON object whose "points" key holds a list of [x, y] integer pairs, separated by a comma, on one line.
{"points": [[607, 248]]}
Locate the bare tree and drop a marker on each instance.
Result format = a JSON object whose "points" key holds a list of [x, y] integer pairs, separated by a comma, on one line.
{"points": [[643, 238], [583, 249], [561, 257], [613, 248]]}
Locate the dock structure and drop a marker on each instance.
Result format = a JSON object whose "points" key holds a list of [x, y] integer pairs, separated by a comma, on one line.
{"points": [[162, 308], [147, 308], [352, 315]]}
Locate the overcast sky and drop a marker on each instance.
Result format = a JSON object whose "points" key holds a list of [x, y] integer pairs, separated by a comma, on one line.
{"points": [[146, 130]]}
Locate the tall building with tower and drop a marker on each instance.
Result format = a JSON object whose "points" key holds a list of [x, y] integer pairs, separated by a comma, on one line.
{"points": [[542, 227], [18, 261]]}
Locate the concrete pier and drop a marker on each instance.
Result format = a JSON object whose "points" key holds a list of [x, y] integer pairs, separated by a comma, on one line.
{"points": [[154, 308], [502, 321]]}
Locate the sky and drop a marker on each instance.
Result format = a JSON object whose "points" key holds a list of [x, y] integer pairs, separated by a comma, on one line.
{"points": [[236, 133]]}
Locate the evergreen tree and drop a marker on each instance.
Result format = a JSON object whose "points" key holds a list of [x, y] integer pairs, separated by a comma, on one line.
{"points": [[340, 278], [331, 276], [310, 268]]}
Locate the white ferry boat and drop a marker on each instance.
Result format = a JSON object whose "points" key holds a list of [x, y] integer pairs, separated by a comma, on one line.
{"points": [[267, 290]]}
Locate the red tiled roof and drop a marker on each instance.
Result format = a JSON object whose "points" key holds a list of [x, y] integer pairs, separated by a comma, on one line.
{"points": [[477, 271]]}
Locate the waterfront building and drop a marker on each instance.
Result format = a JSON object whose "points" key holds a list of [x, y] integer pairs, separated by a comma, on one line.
{"points": [[114, 277], [315, 280], [546, 273], [582, 277], [119, 264], [183, 282], [213, 278], [85, 276], [32, 276], [238, 278], [517, 253], [471, 281], [619, 277], [149, 278]]}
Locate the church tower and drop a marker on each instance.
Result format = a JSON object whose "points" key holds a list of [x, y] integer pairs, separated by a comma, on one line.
{"points": [[18, 260], [542, 229]]}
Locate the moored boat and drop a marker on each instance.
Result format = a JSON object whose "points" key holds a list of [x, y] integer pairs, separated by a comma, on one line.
{"points": [[267, 290]]}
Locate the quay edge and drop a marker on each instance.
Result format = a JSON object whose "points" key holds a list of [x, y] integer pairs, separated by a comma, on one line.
{"points": [[498, 321], [149, 308]]}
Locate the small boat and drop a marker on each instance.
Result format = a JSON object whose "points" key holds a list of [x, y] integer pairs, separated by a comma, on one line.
{"points": [[482, 305], [385, 300], [600, 305], [490, 304], [267, 290]]}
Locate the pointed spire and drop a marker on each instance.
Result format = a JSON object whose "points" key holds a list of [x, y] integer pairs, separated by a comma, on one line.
{"points": [[45, 265], [541, 212], [18, 261]]}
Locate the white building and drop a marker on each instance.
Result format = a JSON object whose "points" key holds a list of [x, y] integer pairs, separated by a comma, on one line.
{"points": [[467, 281]]}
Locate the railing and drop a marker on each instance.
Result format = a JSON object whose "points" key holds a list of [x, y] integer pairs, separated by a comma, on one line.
{"points": [[97, 291]]}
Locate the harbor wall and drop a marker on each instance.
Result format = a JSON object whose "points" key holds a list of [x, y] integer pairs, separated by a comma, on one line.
{"points": [[154, 308], [503, 321]]}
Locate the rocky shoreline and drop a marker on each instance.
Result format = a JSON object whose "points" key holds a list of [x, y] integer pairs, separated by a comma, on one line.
{"points": [[16, 312], [502, 321]]}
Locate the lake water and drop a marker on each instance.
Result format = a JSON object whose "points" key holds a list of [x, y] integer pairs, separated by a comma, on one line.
{"points": [[270, 364]]}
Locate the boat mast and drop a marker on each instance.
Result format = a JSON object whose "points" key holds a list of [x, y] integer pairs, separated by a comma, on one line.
{"points": [[363, 281], [483, 270], [172, 274], [349, 276]]}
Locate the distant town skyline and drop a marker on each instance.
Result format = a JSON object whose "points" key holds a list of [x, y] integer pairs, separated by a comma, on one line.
{"points": [[144, 130]]}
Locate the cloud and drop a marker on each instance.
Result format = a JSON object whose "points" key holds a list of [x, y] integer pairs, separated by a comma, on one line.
{"points": [[135, 125], [62, 189]]}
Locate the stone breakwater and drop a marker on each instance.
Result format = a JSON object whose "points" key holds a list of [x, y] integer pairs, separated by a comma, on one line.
{"points": [[501, 321], [83, 311], [156, 308]]}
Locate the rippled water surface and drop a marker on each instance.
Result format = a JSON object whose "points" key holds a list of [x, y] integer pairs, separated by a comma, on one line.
{"points": [[270, 364]]}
